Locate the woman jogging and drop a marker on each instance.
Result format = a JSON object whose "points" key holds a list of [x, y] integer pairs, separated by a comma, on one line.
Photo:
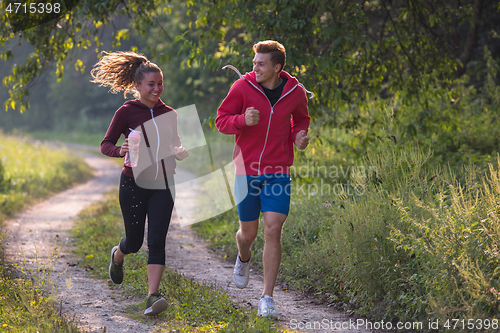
{"points": [[146, 189]]}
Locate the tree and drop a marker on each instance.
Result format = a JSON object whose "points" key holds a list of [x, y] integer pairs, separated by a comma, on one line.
{"points": [[342, 50], [185, 83], [346, 49], [56, 38]]}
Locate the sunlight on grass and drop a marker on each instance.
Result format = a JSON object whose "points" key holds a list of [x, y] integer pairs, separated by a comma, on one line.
{"points": [[193, 306], [30, 171]]}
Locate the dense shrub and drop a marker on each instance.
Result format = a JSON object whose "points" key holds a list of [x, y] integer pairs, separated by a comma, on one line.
{"points": [[420, 243]]}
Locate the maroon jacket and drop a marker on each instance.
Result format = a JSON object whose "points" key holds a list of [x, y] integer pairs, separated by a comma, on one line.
{"points": [[159, 136]]}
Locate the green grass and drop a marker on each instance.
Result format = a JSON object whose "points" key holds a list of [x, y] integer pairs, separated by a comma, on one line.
{"points": [[91, 139], [24, 308], [30, 171], [418, 242], [193, 307]]}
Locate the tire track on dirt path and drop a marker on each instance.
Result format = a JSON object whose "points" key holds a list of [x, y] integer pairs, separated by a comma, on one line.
{"points": [[40, 233], [189, 255]]}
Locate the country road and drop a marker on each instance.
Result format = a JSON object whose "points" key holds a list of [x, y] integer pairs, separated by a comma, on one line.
{"points": [[40, 235]]}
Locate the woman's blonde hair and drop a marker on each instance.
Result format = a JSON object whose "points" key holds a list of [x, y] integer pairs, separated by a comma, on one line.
{"points": [[121, 70]]}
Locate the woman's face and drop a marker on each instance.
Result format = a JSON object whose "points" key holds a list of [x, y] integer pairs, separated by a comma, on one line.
{"points": [[150, 88]]}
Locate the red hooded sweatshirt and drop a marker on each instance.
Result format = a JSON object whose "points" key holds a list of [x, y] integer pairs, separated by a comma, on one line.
{"points": [[159, 135], [267, 147]]}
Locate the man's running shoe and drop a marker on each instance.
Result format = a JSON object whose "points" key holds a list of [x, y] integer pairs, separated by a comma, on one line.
{"points": [[241, 273], [266, 307]]}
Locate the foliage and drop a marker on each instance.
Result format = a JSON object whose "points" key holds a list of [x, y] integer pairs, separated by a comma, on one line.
{"points": [[29, 172], [55, 41], [193, 306], [34, 171], [185, 82], [25, 307], [55, 107], [342, 50], [426, 234], [413, 243]]}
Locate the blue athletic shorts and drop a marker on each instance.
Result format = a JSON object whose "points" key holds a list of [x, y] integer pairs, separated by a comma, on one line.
{"points": [[266, 193]]}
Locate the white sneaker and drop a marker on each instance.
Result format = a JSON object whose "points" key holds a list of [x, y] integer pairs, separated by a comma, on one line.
{"points": [[241, 273], [266, 307]]}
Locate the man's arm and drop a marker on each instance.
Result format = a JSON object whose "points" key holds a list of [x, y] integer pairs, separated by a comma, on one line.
{"points": [[300, 123], [230, 116]]}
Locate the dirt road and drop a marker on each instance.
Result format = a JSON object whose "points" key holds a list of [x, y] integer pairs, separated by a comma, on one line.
{"points": [[40, 234]]}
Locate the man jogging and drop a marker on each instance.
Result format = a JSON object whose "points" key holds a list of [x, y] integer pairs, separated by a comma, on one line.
{"points": [[267, 112]]}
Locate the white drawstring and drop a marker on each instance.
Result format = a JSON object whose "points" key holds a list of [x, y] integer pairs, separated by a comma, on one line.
{"points": [[158, 135], [307, 91], [234, 69]]}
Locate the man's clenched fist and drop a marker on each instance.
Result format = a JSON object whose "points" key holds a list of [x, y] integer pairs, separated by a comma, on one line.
{"points": [[301, 140], [251, 116]]}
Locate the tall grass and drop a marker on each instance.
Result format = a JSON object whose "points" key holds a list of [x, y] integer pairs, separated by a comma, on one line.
{"points": [[419, 243], [193, 306], [26, 306], [418, 240], [30, 171]]}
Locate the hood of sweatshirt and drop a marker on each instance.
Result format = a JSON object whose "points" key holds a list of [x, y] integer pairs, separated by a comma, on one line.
{"points": [[250, 77]]}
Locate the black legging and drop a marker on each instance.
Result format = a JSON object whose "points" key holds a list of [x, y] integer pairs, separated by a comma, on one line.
{"points": [[137, 202]]}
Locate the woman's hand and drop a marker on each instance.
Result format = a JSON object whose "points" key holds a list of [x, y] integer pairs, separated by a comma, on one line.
{"points": [[180, 153], [124, 148]]}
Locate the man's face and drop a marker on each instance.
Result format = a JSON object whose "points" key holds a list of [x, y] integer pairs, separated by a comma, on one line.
{"points": [[265, 72]]}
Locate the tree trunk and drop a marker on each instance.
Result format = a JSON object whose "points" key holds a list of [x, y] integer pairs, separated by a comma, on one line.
{"points": [[466, 54]]}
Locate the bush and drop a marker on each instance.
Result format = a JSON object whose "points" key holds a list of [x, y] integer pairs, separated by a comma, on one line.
{"points": [[2, 175], [420, 243]]}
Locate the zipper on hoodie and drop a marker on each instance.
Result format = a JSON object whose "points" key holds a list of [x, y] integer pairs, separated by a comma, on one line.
{"points": [[270, 117]]}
